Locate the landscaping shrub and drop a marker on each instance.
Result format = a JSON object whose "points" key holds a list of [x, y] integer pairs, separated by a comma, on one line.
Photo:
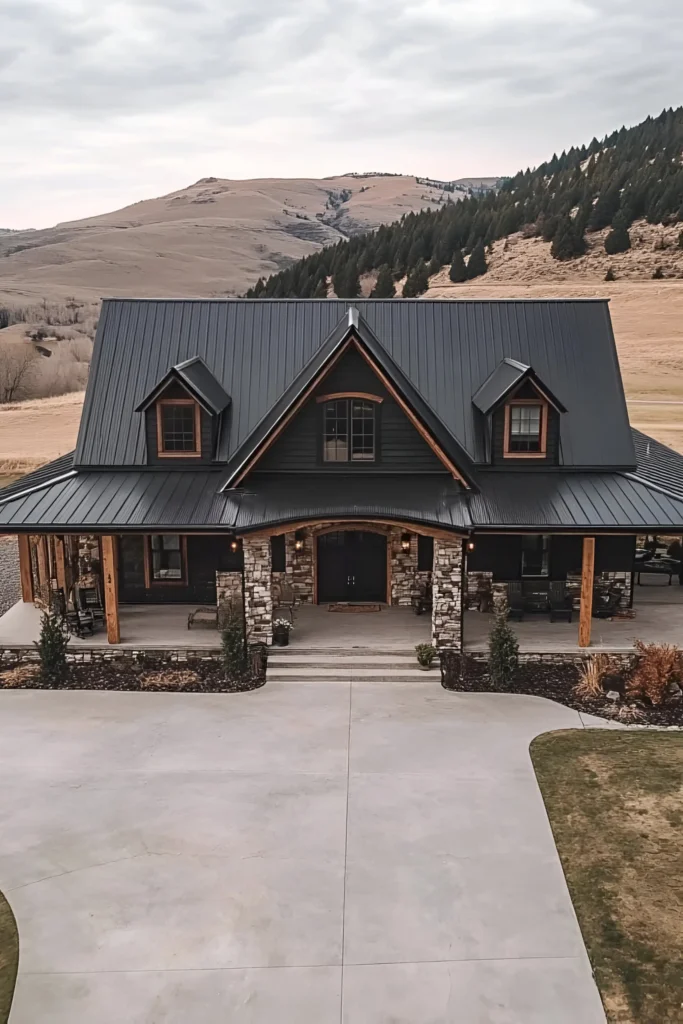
{"points": [[51, 649], [592, 674], [503, 651], [658, 666]]}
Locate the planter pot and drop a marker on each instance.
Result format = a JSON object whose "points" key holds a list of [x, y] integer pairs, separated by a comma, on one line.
{"points": [[425, 668], [281, 638]]}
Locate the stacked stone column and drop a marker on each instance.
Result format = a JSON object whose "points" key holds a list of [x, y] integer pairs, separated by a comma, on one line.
{"points": [[258, 597], [447, 593]]}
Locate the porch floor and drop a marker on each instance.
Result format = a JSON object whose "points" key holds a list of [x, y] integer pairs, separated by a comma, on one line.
{"points": [[659, 619], [317, 628]]}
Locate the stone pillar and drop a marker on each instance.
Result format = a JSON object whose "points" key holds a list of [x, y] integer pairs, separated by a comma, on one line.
{"points": [[403, 568], [258, 598], [447, 593], [228, 590]]}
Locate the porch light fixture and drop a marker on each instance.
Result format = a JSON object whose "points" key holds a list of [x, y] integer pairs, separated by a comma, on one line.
{"points": [[470, 545], [298, 541], [405, 542], [235, 545]]}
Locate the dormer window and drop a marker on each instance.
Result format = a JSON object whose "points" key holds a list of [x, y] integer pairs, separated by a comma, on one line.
{"points": [[526, 427], [349, 429], [178, 428]]}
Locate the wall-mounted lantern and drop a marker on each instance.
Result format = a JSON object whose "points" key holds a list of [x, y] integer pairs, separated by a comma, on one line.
{"points": [[405, 542], [299, 540], [470, 544], [236, 545]]}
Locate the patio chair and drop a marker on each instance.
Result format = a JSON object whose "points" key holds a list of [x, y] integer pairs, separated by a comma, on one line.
{"points": [[560, 602], [78, 621], [606, 604], [287, 600], [89, 599], [515, 601], [422, 601]]}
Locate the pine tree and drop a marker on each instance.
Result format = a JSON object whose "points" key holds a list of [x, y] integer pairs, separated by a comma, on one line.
{"points": [[384, 287], [51, 648], [567, 243], [434, 266], [477, 265], [610, 275], [618, 240], [321, 290], [417, 281], [458, 271], [503, 651]]}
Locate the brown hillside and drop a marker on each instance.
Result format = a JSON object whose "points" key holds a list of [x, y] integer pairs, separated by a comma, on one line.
{"points": [[214, 238]]}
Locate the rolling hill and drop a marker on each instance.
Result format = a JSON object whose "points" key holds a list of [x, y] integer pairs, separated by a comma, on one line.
{"points": [[213, 238]]}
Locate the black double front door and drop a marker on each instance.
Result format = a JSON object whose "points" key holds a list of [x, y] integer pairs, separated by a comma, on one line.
{"points": [[352, 566]]}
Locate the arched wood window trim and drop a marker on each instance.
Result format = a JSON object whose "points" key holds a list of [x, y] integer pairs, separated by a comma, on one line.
{"points": [[350, 394]]}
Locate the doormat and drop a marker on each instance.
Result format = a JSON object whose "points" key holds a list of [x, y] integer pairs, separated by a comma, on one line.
{"points": [[341, 607]]}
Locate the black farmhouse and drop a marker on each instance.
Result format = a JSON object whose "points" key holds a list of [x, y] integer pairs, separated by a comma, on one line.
{"points": [[365, 451]]}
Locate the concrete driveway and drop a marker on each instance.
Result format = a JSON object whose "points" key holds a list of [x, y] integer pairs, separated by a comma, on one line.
{"points": [[303, 854]]}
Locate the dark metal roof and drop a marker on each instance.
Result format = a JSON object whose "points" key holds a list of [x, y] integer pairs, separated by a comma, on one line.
{"points": [[197, 377], [445, 349], [144, 500], [658, 464], [507, 375], [39, 477], [436, 500], [156, 499], [548, 501]]}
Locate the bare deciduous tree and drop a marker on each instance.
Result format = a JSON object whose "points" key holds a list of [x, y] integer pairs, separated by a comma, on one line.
{"points": [[16, 371]]}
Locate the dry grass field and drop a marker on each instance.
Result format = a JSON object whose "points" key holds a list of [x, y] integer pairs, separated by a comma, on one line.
{"points": [[37, 431]]}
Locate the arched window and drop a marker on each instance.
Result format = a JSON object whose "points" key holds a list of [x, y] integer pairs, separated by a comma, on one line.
{"points": [[349, 429]]}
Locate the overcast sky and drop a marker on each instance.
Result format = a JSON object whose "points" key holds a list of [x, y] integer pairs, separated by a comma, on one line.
{"points": [[105, 102]]}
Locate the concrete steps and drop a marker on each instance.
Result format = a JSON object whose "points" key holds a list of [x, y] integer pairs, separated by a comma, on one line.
{"points": [[311, 665]]}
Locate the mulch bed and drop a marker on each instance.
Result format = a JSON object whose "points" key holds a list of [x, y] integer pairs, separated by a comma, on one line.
{"points": [[146, 675], [556, 682]]}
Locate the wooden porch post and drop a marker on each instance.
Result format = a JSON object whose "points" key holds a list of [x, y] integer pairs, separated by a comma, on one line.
{"points": [[111, 589], [43, 567], [587, 573], [60, 564], [25, 571]]}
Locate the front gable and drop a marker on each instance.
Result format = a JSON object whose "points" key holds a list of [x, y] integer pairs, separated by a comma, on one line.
{"points": [[398, 446], [352, 333]]}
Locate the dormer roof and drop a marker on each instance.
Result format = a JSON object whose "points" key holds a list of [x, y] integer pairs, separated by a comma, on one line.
{"points": [[505, 379], [197, 378]]}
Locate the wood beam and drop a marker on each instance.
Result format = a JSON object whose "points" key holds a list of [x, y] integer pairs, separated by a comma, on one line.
{"points": [[25, 572], [43, 565], [60, 564], [587, 574], [111, 589]]}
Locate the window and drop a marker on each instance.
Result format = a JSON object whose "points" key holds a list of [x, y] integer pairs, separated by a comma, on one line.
{"points": [[167, 562], [349, 430], [425, 553], [535, 549], [525, 429], [178, 428], [277, 553]]}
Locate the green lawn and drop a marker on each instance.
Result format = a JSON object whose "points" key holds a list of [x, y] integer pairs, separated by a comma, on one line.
{"points": [[615, 803], [9, 957]]}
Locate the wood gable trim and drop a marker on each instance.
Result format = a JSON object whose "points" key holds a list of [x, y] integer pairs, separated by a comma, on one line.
{"points": [[351, 341]]}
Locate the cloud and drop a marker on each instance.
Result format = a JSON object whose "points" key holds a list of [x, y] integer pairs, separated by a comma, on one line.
{"points": [[113, 101]]}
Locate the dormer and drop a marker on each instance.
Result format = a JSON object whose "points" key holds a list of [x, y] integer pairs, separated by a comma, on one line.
{"points": [[184, 414], [521, 417]]}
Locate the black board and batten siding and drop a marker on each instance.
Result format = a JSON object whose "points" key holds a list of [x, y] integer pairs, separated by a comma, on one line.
{"points": [[208, 433], [399, 446], [205, 556]]}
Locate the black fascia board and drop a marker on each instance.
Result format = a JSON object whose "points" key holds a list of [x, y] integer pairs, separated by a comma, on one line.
{"points": [[513, 373], [195, 383]]}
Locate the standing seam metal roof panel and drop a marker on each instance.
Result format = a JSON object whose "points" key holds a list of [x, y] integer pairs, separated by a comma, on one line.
{"points": [[255, 349]]}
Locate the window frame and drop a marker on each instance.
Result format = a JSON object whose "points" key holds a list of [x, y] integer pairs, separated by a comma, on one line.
{"points": [[349, 397], [194, 453], [545, 557], [543, 434], [150, 581]]}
